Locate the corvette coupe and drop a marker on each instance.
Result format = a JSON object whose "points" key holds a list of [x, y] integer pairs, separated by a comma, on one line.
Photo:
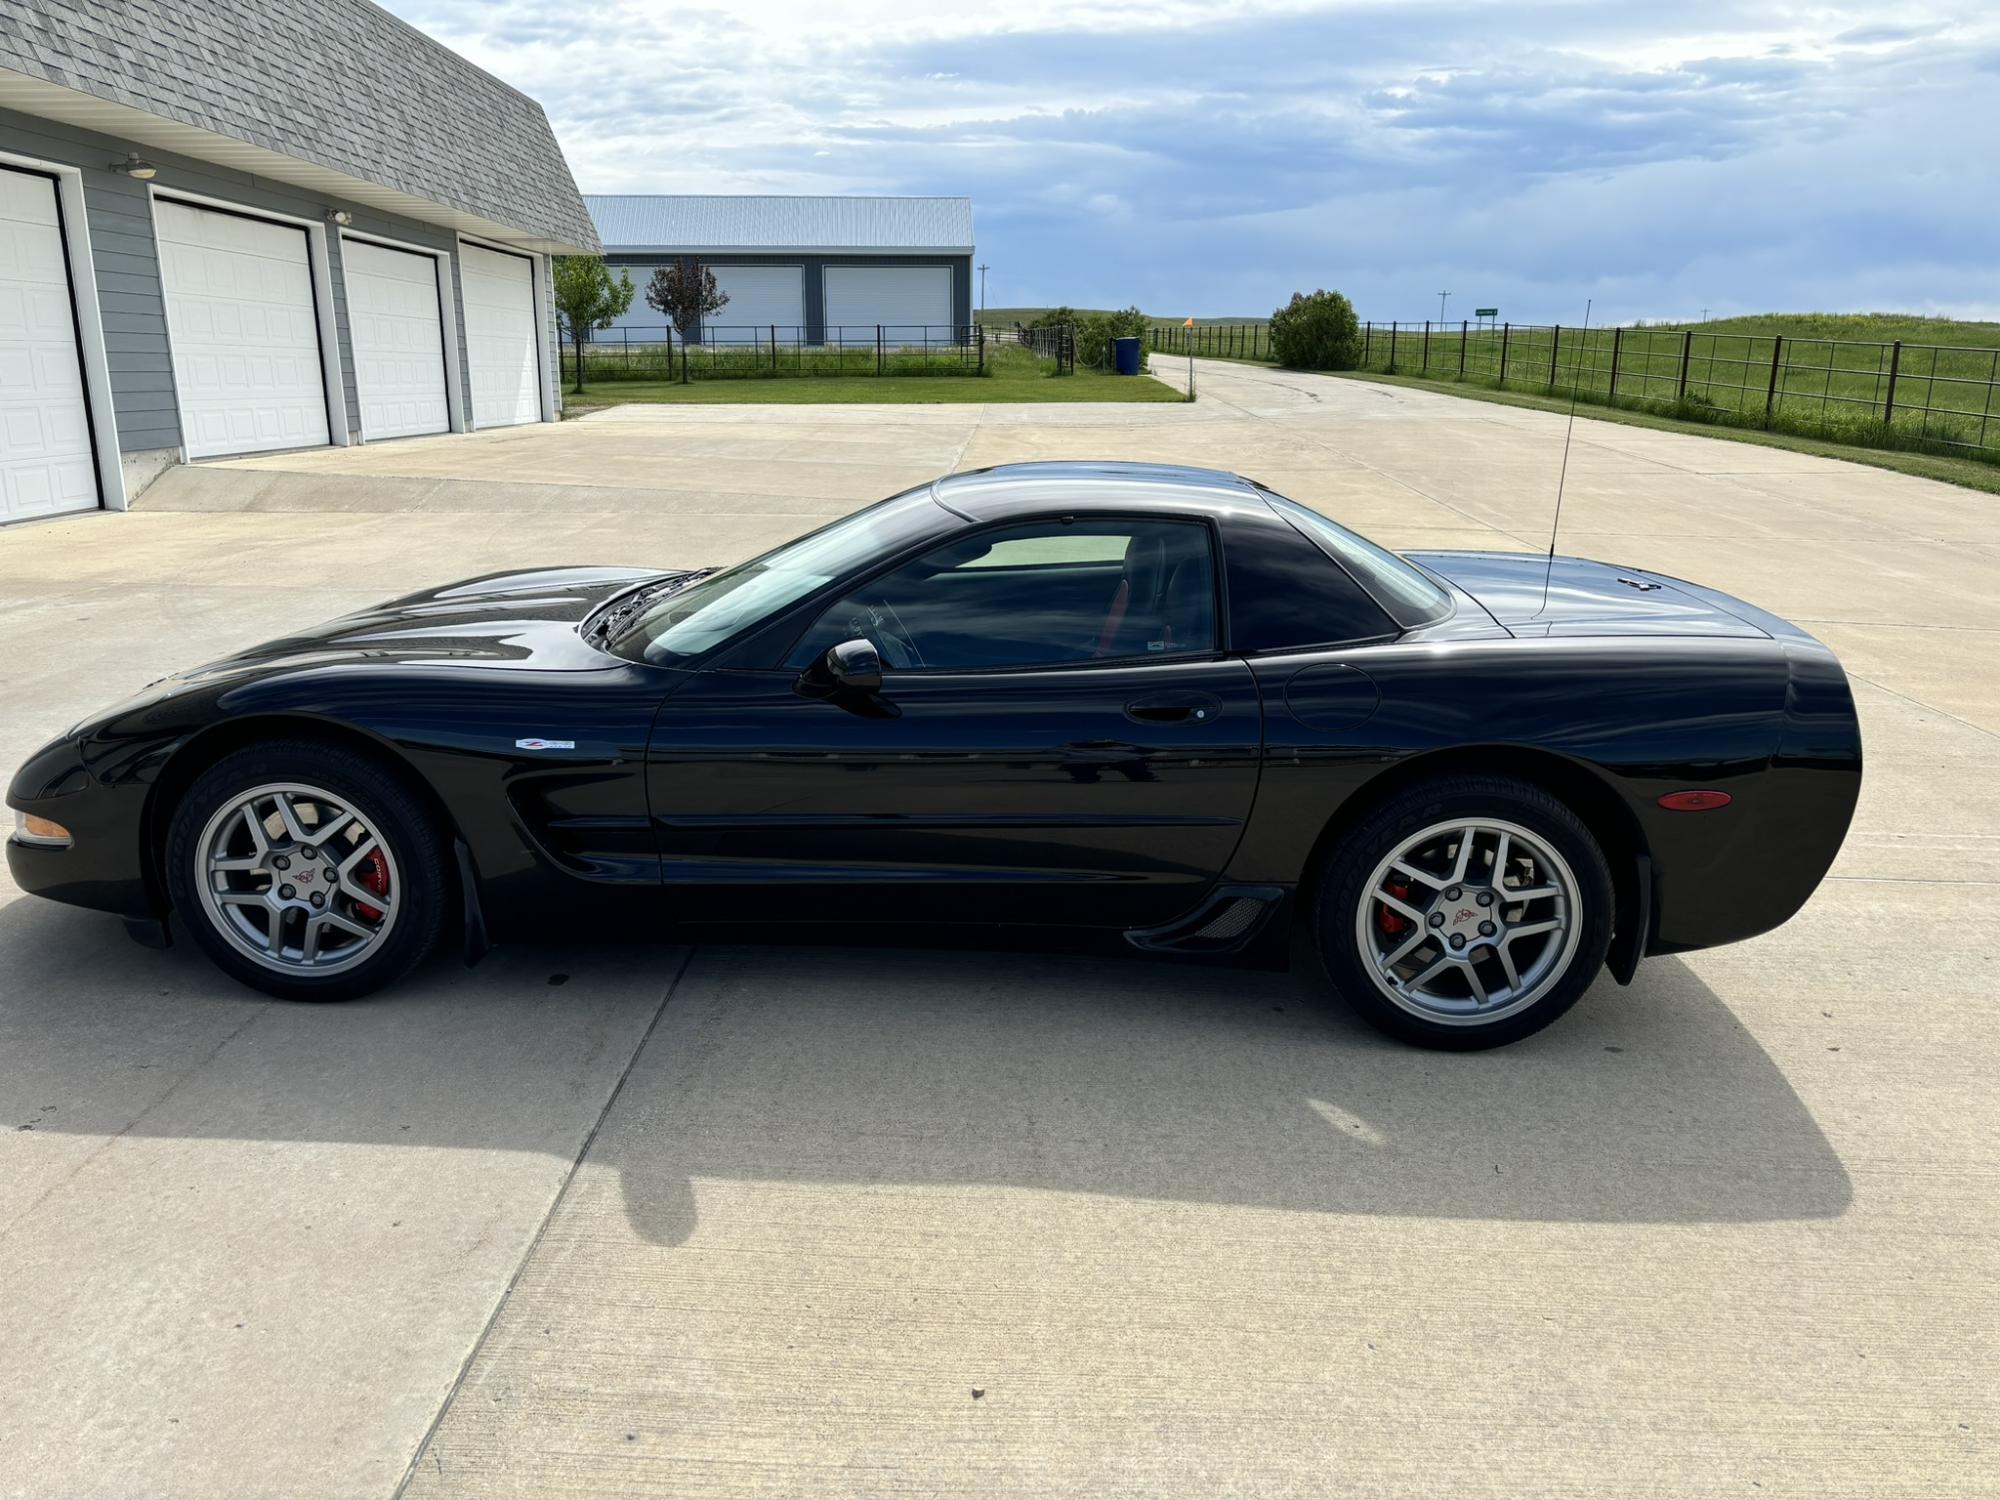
{"points": [[1157, 709]]}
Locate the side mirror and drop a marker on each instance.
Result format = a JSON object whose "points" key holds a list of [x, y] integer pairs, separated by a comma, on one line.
{"points": [[855, 666]]}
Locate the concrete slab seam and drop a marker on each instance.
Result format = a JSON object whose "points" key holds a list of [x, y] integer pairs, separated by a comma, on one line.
{"points": [[541, 1229]]}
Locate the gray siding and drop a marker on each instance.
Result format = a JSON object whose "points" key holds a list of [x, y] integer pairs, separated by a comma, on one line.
{"points": [[128, 271], [641, 318]]}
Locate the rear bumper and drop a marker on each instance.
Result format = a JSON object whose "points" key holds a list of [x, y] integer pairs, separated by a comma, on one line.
{"points": [[1737, 871]]}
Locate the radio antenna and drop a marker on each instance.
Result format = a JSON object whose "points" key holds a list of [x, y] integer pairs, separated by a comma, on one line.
{"points": [[1549, 573]]}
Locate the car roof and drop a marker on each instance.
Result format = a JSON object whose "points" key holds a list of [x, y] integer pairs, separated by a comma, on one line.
{"points": [[1009, 489]]}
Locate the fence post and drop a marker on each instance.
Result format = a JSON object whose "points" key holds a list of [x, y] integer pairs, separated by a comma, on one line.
{"points": [[1427, 346], [980, 334], [1463, 328], [1367, 342], [1895, 364], [1687, 347], [878, 348], [1555, 343], [1506, 331], [1617, 338], [1771, 391], [1392, 344]]}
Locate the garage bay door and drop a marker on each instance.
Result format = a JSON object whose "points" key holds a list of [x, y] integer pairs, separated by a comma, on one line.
{"points": [[244, 330], [760, 298], [500, 336], [46, 464], [905, 300], [398, 332]]}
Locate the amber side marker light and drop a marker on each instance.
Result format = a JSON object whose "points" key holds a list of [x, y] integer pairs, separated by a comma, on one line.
{"points": [[46, 832], [1694, 801]]}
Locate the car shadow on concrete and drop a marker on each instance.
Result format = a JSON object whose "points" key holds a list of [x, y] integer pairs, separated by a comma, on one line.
{"points": [[1061, 1073]]}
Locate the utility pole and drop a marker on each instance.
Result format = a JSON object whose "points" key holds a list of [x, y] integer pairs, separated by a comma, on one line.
{"points": [[982, 286], [1441, 297], [1704, 315]]}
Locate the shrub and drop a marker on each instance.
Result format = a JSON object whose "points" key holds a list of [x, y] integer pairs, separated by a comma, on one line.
{"points": [[1095, 331], [1317, 332]]}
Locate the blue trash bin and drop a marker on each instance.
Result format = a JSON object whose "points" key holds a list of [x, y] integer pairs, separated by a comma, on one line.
{"points": [[1125, 356]]}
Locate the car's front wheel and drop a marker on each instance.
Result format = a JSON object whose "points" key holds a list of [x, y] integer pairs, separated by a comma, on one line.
{"points": [[1465, 912], [306, 871]]}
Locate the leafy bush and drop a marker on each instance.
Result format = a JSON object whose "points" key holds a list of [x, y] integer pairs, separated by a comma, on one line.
{"points": [[1319, 332], [1095, 331]]}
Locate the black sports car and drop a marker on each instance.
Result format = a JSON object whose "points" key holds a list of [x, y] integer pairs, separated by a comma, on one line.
{"points": [[1157, 708]]}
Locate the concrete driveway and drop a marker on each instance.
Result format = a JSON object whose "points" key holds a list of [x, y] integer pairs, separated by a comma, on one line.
{"points": [[845, 1222]]}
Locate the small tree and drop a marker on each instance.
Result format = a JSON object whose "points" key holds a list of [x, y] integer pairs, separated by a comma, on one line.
{"points": [[587, 298], [1319, 332], [685, 293]]}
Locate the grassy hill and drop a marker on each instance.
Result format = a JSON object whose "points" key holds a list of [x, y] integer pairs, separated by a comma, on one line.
{"points": [[1876, 327], [1008, 316]]}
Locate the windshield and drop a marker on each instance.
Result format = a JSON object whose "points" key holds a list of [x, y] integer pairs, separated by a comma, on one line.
{"points": [[1399, 587], [696, 619]]}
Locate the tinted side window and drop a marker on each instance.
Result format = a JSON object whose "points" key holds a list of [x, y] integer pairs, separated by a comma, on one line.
{"points": [[1040, 594], [1285, 592]]}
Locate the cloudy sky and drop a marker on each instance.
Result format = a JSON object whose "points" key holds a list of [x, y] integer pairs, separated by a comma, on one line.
{"points": [[1212, 156]]}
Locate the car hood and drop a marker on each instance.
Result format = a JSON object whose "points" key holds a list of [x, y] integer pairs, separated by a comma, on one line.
{"points": [[521, 621], [1588, 598]]}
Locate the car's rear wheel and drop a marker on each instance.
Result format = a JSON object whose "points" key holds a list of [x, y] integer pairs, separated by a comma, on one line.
{"points": [[307, 871], [1465, 912]]}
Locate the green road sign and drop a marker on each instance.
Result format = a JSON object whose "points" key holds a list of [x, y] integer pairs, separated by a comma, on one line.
{"points": [[1486, 312]]}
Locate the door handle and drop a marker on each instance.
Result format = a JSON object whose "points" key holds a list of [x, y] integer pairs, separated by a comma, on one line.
{"points": [[1190, 708]]}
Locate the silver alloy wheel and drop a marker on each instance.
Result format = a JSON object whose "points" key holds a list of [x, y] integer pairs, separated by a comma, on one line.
{"points": [[1468, 921], [281, 870]]}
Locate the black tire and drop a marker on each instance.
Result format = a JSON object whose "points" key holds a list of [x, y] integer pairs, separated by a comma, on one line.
{"points": [[381, 796], [1402, 816]]}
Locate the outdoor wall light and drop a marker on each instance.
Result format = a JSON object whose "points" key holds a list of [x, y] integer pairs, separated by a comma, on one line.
{"points": [[136, 167], [339, 216]]}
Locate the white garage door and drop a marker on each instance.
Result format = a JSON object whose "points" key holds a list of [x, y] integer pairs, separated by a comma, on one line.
{"points": [[398, 331], [905, 300], [244, 331], [760, 298], [500, 336], [46, 464]]}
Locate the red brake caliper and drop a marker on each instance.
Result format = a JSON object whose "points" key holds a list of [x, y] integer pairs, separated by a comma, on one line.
{"points": [[1391, 922], [372, 874]]}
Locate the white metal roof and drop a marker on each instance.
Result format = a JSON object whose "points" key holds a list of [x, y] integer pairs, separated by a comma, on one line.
{"points": [[658, 222]]}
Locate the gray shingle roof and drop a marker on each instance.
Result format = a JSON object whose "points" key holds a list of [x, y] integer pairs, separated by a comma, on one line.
{"points": [[640, 221], [339, 83]]}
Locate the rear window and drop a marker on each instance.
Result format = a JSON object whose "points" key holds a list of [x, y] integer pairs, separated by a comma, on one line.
{"points": [[1399, 587], [1285, 593]]}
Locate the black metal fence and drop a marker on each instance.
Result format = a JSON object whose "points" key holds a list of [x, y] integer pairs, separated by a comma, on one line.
{"points": [[1897, 394], [750, 352], [1054, 341], [1215, 340]]}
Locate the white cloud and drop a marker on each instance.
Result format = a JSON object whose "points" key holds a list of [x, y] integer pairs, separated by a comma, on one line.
{"points": [[1213, 157]]}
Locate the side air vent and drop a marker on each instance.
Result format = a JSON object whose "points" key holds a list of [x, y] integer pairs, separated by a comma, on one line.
{"points": [[1224, 923], [1232, 921]]}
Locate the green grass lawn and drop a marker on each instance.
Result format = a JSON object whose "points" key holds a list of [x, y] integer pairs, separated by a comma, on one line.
{"points": [[1008, 379]]}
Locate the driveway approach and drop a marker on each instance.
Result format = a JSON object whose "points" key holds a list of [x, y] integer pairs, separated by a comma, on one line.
{"points": [[846, 1222]]}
